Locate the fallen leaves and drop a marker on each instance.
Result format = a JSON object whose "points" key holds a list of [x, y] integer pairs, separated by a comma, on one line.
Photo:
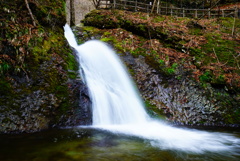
{"points": [[180, 43]]}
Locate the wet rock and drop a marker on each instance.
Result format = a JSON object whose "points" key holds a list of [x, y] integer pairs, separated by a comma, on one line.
{"points": [[49, 100], [183, 101]]}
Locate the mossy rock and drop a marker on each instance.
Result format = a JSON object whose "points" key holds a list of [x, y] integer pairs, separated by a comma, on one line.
{"points": [[102, 21]]}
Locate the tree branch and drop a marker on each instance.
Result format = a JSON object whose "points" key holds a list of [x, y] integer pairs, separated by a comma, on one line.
{"points": [[96, 3], [30, 12]]}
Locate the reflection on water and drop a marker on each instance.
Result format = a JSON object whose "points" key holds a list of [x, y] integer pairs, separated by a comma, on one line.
{"points": [[76, 144]]}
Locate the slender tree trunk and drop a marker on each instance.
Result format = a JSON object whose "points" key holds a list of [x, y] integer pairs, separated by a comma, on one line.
{"points": [[233, 28], [30, 12], [72, 13], [154, 3]]}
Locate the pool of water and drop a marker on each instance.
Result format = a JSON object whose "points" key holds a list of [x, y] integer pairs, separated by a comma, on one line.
{"points": [[83, 143]]}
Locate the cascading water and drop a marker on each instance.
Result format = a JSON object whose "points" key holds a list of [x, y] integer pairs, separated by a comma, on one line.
{"points": [[109, 85], [117, 106]]}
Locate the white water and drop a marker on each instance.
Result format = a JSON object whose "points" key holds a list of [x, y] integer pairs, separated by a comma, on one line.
{"points": [[118, 107]]}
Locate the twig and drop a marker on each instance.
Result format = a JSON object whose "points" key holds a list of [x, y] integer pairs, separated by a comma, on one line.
{"points": [[233, 28], [25, 73], [236, 61], [149, 31], [30, 12], [216, 55]]}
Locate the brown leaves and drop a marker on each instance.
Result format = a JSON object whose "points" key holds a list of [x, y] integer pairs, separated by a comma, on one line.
{"points": [[7, 58], [233, 79], [198, 51], [195, 41]]}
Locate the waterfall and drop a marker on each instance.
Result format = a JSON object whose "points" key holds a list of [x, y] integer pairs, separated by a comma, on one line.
{"points": [[114, 100], [118, 107]]}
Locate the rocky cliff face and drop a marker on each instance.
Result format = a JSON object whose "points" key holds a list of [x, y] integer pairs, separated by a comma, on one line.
{"points": [[47, 97], [39, 83], [182, 101]]}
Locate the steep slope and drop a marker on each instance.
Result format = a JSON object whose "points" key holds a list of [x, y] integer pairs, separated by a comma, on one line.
{"points": [[187, 70], [38, 87]]}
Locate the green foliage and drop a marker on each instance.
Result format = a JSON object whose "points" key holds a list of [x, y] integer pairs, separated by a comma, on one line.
{"points": [[170, 70], [4, 67], [174, 65], [206, 77], [138, 51], [161, 62]]}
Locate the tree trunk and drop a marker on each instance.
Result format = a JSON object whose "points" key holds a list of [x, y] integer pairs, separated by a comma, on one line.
{"points": [[72, 13], [30, 12]]}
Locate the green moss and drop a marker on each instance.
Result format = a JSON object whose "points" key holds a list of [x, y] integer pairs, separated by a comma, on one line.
{"points": [[206, 77], [195, 31], [72, 75], [49, 13], [108, 39], [143, 17], [153, 111], [142, 28], [227, 24], [219, 79], [224, 49], [107, 21], [4, 67], [232, 117], [90, 29], [168, 70], [158, 19], [72, 63]]}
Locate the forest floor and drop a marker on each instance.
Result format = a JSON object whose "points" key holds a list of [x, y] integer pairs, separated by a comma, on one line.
{"points": [[208, 48]]}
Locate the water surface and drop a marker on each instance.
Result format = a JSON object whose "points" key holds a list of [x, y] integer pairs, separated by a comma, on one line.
{"points": [[83, 143]]}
